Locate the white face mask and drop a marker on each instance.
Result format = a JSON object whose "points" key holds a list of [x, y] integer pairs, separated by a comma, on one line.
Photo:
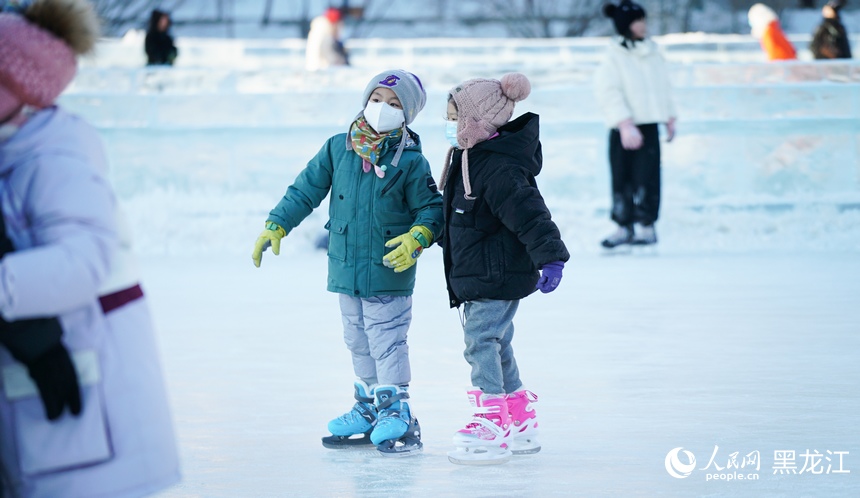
{"points": [[451, 133], [382, 117]]}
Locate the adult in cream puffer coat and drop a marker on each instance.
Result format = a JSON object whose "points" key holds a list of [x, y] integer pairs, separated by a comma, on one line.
{"points": [[633, 91]]}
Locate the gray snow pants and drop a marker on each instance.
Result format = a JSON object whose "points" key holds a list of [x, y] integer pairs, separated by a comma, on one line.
{"points": [[374, 330]]}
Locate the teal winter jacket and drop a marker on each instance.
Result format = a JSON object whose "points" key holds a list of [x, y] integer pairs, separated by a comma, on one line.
{"points": [[365, 211]]}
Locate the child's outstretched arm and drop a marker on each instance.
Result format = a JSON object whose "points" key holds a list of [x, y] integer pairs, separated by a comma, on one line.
{"points": [[302, 197], [270, 237]]}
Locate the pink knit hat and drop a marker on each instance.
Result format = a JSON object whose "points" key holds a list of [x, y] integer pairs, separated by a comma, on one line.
{"points": [[38, 49], [483, 105]]}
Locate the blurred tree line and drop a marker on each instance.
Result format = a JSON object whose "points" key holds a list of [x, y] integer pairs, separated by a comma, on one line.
{"points": [[519, 18]]}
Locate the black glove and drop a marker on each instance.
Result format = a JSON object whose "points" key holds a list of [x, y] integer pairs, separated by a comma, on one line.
{"points": [[36, 343], [55, 376]]}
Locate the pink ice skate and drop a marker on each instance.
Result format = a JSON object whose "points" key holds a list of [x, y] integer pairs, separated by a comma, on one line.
{"points": [[524, 422], [484, 439]]}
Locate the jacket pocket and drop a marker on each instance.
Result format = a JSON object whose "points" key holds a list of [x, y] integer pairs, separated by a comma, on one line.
{"points": [[388, 233], [68, 442], [391, 182], [496, 261], [336, 239], [384, 280]]}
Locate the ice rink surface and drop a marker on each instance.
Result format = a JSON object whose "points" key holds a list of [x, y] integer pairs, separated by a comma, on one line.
{"points": [[635, 355], [734, 344]]}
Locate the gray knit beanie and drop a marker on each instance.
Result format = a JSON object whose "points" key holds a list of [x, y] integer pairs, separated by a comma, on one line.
{"points": [[405, 85]]}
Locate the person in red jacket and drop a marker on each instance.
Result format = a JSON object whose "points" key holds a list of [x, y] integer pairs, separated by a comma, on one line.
{"points": [[765, 26]]}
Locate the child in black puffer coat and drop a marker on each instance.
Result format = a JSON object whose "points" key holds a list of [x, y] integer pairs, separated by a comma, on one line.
{"points": [[500, 245]]}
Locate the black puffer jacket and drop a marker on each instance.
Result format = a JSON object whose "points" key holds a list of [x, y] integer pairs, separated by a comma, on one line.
{"points": [[493, 245], [160, 49], [830, 40]]}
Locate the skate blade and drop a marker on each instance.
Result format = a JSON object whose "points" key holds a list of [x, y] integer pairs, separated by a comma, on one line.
{"points": [[524, 445], [467, 457], [470, 444], [359, 441], [401, 451], [619, 250], [525, 451], [644, 250]]}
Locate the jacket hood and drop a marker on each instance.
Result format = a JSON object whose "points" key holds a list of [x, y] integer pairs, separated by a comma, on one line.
{"points": [[413, 141], [519, 139]]}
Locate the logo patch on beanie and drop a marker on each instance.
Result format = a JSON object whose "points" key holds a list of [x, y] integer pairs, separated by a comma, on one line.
{"points": [[390, 80]]}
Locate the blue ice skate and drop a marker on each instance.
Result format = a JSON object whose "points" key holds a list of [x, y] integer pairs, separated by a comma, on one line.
{"points": [[353, 428], [397, 432]]}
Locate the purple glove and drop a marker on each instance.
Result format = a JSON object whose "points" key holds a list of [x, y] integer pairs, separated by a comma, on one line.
{"points": [[550, 276]]}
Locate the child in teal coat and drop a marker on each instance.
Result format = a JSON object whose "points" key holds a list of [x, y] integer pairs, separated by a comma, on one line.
{"points": [[383, 211]]}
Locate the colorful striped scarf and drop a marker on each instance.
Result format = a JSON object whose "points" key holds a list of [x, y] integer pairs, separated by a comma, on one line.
{"points": [[370, 145]]}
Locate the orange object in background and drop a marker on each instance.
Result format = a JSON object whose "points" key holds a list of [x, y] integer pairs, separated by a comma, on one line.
{"points": [[775, 44]]}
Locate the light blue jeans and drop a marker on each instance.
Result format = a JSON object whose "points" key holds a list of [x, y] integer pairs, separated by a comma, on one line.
{"points": [[489, 329], [374, 330]]}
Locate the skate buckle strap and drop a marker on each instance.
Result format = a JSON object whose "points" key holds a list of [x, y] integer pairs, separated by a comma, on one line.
{"points": [[489, 425], [366, 412], [481, 410], [390, 401], [363, 399]]}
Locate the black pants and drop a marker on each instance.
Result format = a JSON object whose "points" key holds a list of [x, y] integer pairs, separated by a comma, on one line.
{"points": [[635, 178]]}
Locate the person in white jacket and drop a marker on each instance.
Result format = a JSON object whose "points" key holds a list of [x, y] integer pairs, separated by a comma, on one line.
{"points": [[633, 91], [83, 406], [324, 47]]}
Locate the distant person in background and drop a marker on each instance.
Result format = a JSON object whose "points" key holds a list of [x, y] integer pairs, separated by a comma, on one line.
{"points": [[830, 40], [765, 26], [160, 50], [324, 47], [83, 410], [632, 88]]}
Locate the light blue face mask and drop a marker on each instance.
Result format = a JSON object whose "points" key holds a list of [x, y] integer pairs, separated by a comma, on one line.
{"points": [[451, 133]]}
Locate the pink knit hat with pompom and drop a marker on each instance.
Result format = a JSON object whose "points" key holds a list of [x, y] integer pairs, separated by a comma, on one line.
{"points": [[38, 49], [483, 105]]}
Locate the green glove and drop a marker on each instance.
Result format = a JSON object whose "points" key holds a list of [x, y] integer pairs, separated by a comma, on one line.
{"points": [[409, 247], [271, 236]]}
